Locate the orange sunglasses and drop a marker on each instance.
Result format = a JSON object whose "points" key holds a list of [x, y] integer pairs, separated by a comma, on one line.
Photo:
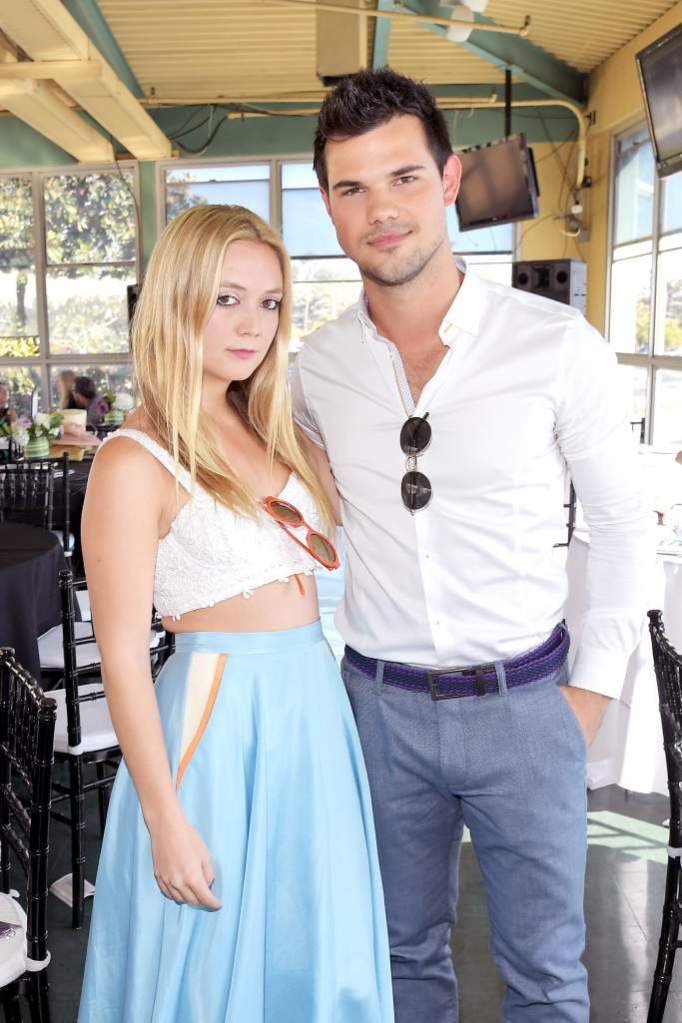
{"points": [[316, 544]]}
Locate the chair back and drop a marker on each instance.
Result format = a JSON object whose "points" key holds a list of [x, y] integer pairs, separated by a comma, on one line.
{"points": [[27, 724], [27, 493], [668, 668]]}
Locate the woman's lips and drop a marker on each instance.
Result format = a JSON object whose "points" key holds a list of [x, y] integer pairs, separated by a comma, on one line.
{"points": [[242, 353]]}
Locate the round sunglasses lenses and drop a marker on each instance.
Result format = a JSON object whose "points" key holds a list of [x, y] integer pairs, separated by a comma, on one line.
{"points": [[286, 513], [415, 489], [415, 435], [322, 548]]}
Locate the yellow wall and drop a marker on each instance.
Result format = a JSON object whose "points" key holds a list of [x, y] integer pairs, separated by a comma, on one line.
{"points": [[615, 97], [543, 238]]}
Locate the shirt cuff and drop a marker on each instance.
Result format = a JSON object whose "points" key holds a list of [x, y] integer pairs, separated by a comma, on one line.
{"points": [[601, 669]]}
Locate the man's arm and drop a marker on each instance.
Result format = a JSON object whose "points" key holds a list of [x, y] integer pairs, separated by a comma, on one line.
{"points": [[595, 438], [312, 441]]}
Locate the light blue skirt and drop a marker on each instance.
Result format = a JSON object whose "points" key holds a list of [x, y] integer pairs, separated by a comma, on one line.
{"points": [[263, 747]]}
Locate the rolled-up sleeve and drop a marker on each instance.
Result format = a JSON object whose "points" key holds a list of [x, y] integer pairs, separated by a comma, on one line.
{"points": [[303, 415], [596, 441]]}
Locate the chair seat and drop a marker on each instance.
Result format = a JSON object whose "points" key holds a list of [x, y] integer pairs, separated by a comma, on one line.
{"points": [[51, 649], [83, 598], [59, 533], [13, 958], [97, 731]]}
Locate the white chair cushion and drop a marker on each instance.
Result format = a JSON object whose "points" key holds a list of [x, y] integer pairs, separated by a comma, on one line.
{"points": [[12, 945], [51, 649], [83, 598], [97, 731]]}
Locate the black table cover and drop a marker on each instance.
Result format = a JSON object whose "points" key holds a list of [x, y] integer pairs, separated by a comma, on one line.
{"points": [[30, 561]]}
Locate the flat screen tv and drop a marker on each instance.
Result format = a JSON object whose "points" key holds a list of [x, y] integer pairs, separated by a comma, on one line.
{"points": [[660, 72], [499, 184]]}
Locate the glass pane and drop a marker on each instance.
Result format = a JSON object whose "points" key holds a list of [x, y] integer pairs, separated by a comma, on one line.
{"points": [[231, 172], [630, 305], [635, 174], [633, 382], [323, 288], [21, 382], [668, 407], [105, 378], [307, 229], [671, 219], [16, 218], [669, 305], [255, 195], [18, 301], [87, 309], [298, 175], [481, 239], [90, 218]]}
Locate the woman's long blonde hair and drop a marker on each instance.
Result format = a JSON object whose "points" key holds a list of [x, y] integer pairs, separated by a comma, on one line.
{"points": [[180, 291]]}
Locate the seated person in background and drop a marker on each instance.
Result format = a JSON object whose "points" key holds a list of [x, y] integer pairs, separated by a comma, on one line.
{"points": [[85, 396], [5, 412], [65, 384]]}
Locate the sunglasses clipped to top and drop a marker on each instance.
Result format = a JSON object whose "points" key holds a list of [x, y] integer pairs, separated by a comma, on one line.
{"points": [[415, 487], [289, 517]]}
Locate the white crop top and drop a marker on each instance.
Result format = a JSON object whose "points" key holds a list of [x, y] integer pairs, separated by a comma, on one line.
{"points": [[211, 553]]}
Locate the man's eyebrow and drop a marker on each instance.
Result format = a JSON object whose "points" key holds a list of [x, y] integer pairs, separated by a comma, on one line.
{"points": [[349, 183]]}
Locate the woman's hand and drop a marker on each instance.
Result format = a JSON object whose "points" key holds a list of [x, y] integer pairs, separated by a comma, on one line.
{"points": [[182, 863]]}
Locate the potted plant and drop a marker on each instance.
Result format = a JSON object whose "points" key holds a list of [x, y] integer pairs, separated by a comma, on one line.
{"points": [[34, 435], [115, 406]]}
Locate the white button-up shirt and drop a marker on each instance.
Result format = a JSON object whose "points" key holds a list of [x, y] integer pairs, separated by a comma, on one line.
{"points": [[526, 388]]}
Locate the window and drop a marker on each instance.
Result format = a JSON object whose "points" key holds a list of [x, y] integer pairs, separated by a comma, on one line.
{"points": [[645, 306], [68, 251]]}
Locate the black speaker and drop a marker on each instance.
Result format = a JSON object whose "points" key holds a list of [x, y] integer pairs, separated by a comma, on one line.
{"points": [[564, 280]]}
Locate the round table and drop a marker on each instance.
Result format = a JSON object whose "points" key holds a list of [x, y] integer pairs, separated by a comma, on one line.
{"points": [[30, 561]]}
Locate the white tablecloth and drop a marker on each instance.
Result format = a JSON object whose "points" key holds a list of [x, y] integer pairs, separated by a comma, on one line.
{"points": [[628, 750]]}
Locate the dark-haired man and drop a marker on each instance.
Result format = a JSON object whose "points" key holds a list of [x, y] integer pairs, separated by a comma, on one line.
{"points": [[85, 396], [449, 408]]}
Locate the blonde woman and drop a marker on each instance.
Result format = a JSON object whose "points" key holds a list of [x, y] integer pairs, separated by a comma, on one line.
{"points": [[238, 879]]}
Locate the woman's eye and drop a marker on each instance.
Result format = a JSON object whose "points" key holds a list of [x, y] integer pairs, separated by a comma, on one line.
{"points": [[225, 300], [272, 304]]}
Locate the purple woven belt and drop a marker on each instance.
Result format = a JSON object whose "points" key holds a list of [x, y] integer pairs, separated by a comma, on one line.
{"points": [[478, 680]]}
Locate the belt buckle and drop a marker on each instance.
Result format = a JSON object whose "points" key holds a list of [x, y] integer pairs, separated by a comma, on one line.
{"points": [[477, 670]]}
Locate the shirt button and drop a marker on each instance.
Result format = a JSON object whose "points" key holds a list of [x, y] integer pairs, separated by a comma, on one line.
{"points": [[428, 557]]}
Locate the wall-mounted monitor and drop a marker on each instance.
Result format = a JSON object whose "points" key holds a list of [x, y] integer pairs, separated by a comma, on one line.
{"points": [[499, 184], [660, 73]]}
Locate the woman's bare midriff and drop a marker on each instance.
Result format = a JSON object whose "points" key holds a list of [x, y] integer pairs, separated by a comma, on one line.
{"points": [[272, 607]]}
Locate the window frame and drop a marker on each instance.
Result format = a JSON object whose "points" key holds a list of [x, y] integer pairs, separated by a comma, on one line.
{"points": [[45, 363], [652, 361]]}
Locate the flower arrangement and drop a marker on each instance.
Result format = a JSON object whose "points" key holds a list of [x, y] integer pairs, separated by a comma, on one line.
{"points": [[34, 435], [114, 405]]}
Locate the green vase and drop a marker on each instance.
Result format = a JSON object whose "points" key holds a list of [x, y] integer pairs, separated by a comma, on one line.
{"points": [[113, 417], [39, 447]]}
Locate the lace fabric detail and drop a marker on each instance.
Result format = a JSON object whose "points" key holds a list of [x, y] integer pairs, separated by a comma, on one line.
{"points": [[212, 553]]}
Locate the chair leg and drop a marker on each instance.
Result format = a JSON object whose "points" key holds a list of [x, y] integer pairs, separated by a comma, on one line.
{"points": [[39, 1003], [670, 929], [102, 798], [77, 799]]}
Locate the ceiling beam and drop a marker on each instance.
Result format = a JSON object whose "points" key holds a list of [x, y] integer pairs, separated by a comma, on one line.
{"points": [[96, 27], [533, 65], [39, 105], [46, 31]]}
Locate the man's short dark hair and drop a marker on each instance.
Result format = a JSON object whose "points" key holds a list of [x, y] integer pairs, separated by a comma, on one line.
{"points": [[85, 387], [367, 100]]}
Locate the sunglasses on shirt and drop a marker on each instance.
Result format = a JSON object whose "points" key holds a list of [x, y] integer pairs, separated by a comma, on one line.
{"points": [[289, 517], [415, 487]]}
